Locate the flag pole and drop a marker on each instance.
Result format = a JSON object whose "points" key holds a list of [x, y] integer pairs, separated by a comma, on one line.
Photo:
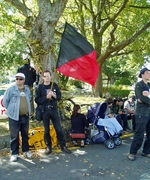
{"points": [[53, 79]]}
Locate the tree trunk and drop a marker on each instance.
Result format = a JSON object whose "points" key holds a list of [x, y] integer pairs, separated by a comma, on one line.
{"points": [[41, 41], [41, 26], [99, 85], [48, 62]]}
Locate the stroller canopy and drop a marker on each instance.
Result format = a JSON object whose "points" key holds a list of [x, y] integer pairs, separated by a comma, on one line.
{"points": [[96, 110]]}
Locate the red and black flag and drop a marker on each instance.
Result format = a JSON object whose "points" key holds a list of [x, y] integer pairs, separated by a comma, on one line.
{"points": [[77, 57]]}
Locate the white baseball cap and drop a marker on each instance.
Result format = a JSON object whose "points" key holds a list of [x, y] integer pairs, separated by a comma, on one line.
{"points": [[20, 75]]}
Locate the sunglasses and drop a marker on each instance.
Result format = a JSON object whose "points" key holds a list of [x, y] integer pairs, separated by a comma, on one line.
{"points": [[46, 76], [20, 79]]}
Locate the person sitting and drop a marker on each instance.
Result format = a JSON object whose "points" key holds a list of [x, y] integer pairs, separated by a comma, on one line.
{"points": [[78, 123], [109, 101], [130, 106], [120, 113]]}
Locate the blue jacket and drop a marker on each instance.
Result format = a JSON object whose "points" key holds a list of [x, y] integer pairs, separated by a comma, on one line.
{"points": [[11, 101]]}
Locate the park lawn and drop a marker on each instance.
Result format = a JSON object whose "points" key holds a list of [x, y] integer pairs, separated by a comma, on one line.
{"points": [[4, 128]]}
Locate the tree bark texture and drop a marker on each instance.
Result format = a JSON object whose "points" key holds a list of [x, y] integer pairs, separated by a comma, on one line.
{"points": [[41, 27]]}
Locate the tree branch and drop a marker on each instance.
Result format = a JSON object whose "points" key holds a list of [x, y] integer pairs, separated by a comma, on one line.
{"points": [[108, 23], [120, 54], [122, 44], [140, 7], [112, 35], [21, 7]]}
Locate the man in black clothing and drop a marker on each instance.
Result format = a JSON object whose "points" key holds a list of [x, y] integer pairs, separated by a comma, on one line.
{"points": [[30, 75], [47, 96], [142, 117]]}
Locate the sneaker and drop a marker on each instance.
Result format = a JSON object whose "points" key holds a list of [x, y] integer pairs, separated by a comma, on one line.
{"points": [[48, 151], [75, 143], [128, 130], [65, 150], [14, 158], [82, 143], [146, 155], [87, 142], [28, 154], [131, 157]]}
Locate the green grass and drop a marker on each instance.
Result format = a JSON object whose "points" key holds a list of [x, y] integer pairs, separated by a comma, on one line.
{"points": [[86, 101], [4, 128]]}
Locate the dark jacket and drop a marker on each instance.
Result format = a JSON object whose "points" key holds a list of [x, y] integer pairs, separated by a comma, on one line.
{"points": [[115, 108], [78, 123], [143, 108], [29, 72], [40, 95]]}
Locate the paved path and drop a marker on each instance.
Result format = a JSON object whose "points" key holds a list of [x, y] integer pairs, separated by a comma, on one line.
{"points": [[94, 162]]}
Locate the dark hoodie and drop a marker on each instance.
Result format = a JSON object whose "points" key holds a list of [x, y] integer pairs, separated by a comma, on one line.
{"points": [[29, 72]]}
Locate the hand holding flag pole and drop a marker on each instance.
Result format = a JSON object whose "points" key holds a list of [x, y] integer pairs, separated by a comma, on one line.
{"points": [[52, 81]]}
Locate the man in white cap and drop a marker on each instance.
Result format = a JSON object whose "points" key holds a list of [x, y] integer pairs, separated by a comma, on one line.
{"points": [[142, 117], [30, 74], [17, 103]]}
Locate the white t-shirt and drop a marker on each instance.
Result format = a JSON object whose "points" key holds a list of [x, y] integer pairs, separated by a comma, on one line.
{"points": [[129, 105]]}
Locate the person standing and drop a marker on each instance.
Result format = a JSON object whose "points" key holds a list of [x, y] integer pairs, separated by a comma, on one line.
{"points": [[30, 74], [47, 96], [17, 103], [142, 117]]}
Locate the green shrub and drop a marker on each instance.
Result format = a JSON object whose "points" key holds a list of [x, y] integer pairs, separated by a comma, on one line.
{"points": [[119, 93], [76, 83], [123, 81], [115, 91]]}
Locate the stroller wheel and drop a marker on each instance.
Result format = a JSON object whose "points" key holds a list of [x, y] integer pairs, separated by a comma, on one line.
{"points": [[109, 144], [117, 141]]}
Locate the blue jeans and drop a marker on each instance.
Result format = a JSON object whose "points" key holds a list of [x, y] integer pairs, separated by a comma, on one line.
{"points": [[15, 126], [52, 114], [142, 125]]}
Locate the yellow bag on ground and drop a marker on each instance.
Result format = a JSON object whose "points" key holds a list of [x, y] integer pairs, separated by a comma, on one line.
{"points": [[36, 137]]}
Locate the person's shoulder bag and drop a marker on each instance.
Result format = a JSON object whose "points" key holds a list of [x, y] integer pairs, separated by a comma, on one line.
{"points": [[38, 112]]}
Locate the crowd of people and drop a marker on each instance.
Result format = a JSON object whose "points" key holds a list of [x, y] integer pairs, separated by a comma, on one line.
{"points": [[122, 110], [18, 101]]}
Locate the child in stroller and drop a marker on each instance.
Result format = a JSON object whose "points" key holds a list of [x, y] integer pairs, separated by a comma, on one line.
{"points": [[105, 129]]}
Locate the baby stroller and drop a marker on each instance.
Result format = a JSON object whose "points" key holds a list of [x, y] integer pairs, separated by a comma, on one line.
{"points": [[105, 130]]}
